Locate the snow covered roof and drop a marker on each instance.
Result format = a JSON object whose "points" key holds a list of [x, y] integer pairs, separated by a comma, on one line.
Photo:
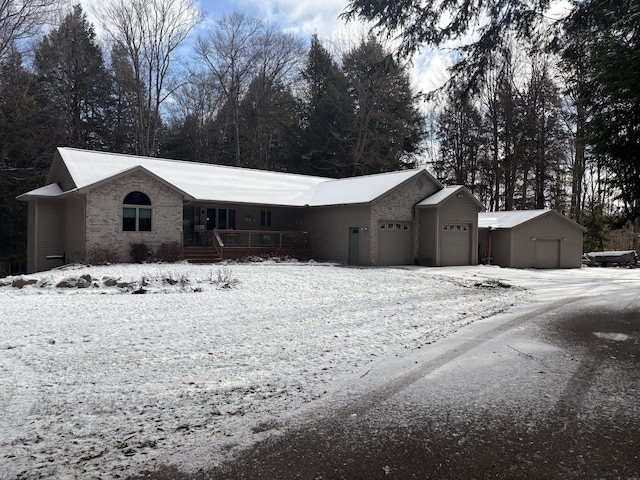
{"points": [[207, 182], [514, 218], [51, 190], [509, 219], [347, 191], [447, 192]]}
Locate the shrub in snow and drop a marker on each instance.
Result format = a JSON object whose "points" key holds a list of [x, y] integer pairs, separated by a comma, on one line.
{"points": [[169, 252], [139, 252], [225, 278], [102, 256]]}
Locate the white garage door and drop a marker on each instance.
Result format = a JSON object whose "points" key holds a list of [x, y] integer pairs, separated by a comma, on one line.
{"points": [[394, 243], [456, 244], [546, 254]]}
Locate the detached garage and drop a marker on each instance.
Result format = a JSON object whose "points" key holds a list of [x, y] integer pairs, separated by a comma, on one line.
{"points": [[530, 239]]}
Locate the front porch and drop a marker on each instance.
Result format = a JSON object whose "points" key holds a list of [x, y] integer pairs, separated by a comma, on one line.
{"points": [[216, 245]]}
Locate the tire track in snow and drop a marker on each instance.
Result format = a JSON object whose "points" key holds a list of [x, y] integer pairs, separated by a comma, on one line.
{"points": [[373, 398]]}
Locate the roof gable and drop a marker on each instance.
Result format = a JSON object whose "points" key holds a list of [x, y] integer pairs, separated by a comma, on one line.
{"points": [[447, 193], [129, 171]]}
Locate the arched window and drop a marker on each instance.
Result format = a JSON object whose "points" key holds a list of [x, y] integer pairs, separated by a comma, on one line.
{"points": [[136, 213]]}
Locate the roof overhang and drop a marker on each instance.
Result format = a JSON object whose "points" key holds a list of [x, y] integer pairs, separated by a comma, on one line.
{"points": [[52, 190]]}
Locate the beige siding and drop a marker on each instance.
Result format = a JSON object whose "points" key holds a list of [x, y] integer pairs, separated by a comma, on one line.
{"points": [[550, 230], [330, 232], [32, 247], [501, 247], [544, 242], [50, 233], [74, 230], [104, 216]]}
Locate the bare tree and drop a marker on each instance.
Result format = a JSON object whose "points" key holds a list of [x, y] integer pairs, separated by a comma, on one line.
{"points": [[149, 31], [22, 19], [231, 55]]}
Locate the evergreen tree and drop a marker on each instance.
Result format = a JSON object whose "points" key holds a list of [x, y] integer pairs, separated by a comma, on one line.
{"points": [[268, 114], [387, 126], [608, 37], [20, 133], [326, 116], [73, 84]]}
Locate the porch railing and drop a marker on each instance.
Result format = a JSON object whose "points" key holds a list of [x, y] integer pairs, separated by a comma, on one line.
{"points": [[233, 243]]}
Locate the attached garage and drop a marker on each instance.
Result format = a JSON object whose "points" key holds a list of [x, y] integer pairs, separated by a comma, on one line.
{"points": [[449, 228], [542, 239]]}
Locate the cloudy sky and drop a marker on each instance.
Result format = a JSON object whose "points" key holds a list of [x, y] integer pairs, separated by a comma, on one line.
{"points": [[306, 17]]}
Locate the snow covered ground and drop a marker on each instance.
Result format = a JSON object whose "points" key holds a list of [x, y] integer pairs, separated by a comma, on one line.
{"points": [[99, 381]]}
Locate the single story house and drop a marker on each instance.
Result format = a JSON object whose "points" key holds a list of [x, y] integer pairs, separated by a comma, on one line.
{"points": [[530, 239], [96, 205]]}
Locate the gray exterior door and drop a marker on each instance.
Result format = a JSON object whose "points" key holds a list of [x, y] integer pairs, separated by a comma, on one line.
{"points": [[354, 245], [546, 254]]}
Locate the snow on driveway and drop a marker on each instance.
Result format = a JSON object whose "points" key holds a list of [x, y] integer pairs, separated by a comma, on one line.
{"points": [[98, 382]]}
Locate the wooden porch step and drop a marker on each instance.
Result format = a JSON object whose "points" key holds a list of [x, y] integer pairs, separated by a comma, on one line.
{"points": [[201, 255]]}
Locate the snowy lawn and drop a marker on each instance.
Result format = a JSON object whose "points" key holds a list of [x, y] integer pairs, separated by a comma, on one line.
{"points": [[99, 382]]}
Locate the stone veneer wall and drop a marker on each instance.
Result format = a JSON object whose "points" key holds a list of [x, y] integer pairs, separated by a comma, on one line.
{"points": [[397, 205], [104, 216]]}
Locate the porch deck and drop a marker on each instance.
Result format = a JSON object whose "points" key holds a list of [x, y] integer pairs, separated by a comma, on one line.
{"points": [[234, 244]]}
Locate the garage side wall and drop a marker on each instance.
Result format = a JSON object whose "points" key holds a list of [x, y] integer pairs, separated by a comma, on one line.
{"points": [[104, 234], [329, 229]]}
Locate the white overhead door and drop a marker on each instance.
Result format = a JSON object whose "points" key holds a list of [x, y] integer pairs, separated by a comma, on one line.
{"points": [[546, 253], [456, 244], [394, 243]]}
